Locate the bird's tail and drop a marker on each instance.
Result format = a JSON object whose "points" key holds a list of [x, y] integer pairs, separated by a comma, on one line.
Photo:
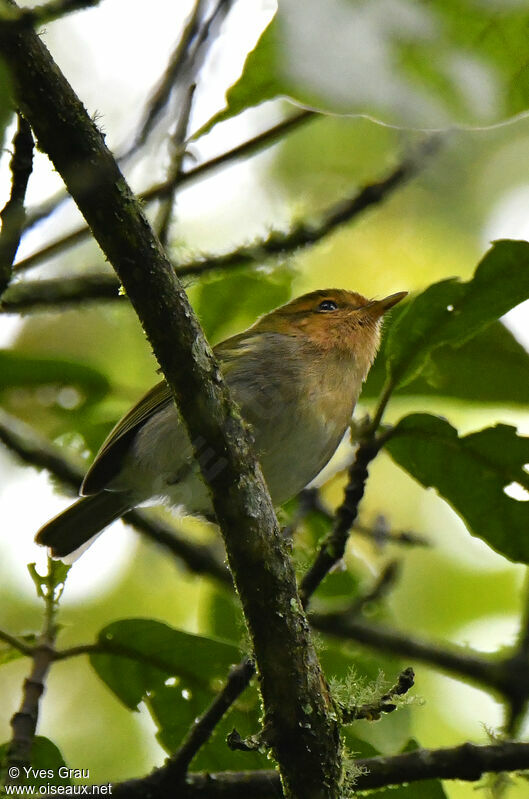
{"points": [[81, 521]]}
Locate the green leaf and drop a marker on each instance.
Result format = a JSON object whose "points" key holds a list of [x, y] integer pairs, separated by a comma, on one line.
{"points": [[19, 369], [471, 473], [142, 654], [44, 756], [259, 81], [415, 64], [491, 367], [451, 312], [177, 675], [174, 709]]}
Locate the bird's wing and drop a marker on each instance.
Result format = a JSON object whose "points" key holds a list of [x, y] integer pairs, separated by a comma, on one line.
{"points": [[109, 459]]}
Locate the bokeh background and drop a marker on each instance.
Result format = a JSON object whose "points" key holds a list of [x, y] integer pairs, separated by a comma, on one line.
{"points": [[473, 191]]}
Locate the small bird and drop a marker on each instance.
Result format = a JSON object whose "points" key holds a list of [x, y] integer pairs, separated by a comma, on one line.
{"points": [[296, 374]]}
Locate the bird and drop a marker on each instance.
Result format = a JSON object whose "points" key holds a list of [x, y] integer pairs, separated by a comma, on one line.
{"points": [[296, 375]]}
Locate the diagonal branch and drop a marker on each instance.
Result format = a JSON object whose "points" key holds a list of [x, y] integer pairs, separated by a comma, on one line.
{"points": [[183, 63], [276, 243], [12, 17], [308, 755], [13, 213], [160, 191]]}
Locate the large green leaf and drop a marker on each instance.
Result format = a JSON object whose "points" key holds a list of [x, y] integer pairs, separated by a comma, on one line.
{"points": [[417, 64], [452, 312], [142, 654], [491, 367], [472, 473], [46, 760], [177, 675]]}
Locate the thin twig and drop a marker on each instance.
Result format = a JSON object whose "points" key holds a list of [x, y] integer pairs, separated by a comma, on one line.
{"points": [[16, 643], [381, 587], [13, 213], [183, 62], [491, 673], [24, 721], [175, 170], [371, 711], [299, 236], [58, 293], [161, 190], [203, 726], [17, 18], [332, 549]]}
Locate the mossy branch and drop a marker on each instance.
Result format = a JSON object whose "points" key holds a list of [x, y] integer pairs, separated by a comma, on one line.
{"points": [[308, 757]]}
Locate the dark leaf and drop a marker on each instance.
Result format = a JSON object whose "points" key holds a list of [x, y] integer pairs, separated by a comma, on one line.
{"points": [[453, 312], [491, 367], [143, 654], [472, 473]]}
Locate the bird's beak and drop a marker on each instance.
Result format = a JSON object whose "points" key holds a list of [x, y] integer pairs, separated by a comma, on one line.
{"points": [[377, 308]]}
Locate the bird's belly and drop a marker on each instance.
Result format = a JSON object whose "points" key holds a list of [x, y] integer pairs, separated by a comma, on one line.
{"points": [[161, 465], [293, 453]]}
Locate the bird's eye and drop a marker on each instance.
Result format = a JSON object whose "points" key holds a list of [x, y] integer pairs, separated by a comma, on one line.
{"points": [[327, 305]]}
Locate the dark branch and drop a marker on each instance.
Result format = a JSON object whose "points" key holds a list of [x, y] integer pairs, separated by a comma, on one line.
{"points": [[466, 762], [13, 213], [276, 243], [290, 673], [499, 675], [202, 729], [333, 546], [371, 711], [39, 295], [162, 190], [12, 18]]}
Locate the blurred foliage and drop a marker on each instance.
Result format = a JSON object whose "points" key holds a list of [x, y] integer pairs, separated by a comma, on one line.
{"points": [[416, 64], [72, 374]]}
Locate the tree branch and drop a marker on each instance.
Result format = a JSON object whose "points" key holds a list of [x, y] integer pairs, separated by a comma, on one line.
{"points": [[466, 762], [38, 295], [277, 243], [183, 63], [502, 676], [12, 18], [308, 755], [24, 722], [372, 711], [162, 190], [13, 213]]}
